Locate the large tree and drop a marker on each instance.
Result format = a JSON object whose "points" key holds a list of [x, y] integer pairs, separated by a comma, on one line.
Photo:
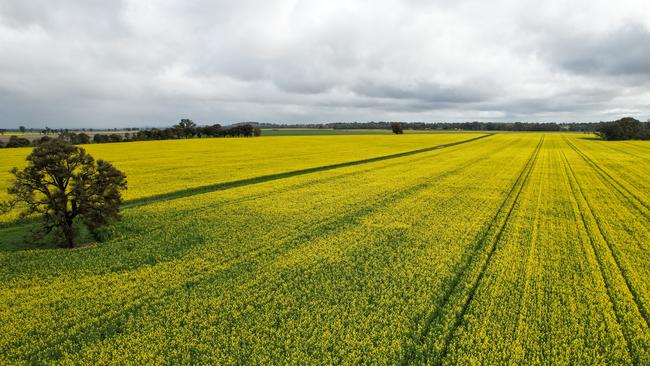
{"points": [[64, 184]]}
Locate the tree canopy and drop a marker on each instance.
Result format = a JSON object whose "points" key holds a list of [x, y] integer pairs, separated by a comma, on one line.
{"points": [[625, 129], [397, 128], [64, 184]]}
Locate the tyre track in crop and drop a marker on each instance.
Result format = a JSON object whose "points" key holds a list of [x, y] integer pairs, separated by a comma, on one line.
{"points": [[293, 173], [246, 261], [614, 253], [412, 353], [461, 315], [586, 213], [634, 199], [604, 238], [532, 249]]}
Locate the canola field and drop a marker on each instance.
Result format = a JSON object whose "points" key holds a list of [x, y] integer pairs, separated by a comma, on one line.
{"points": [[160, 167], [453, 249]]}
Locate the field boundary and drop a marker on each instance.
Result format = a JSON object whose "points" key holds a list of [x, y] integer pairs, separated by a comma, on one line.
{"points": [[270, 177]]}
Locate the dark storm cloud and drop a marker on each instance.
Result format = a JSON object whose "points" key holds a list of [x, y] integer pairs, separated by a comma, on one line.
{"points": [[115, 63]]}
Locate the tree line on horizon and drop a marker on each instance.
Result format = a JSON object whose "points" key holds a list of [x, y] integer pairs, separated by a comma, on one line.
{"points": [[590, 127], [185, 129], [626, 128]]}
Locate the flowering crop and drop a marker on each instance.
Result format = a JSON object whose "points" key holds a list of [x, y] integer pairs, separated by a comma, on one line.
{"points": [[513, 248], [162, 167]]}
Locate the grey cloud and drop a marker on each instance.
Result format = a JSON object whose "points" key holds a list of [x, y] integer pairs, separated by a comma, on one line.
{"points": [[425, 92], [114, 63], [85, 18], [623, 52]]}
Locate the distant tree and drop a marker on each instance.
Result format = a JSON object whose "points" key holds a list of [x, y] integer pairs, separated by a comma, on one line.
{"points": [[114, 137], [2, 131], [624, 129], [186, 123], [245, 131], [186, 127], [63, 184], [42, 140], [397, 128], [212, 131], [82, 138], [100, 138], [22, 129], [15, 141], [241, 130], [75, 138]]}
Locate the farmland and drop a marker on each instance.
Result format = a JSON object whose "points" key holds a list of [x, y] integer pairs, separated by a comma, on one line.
{"points": [[441, 248], [181, 164]]}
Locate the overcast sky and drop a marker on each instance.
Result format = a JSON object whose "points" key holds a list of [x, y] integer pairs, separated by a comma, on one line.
{"points": [[103, 63]]}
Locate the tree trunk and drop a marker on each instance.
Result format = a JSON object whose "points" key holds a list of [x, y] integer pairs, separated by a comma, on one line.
{"points": [[68, 233]]}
